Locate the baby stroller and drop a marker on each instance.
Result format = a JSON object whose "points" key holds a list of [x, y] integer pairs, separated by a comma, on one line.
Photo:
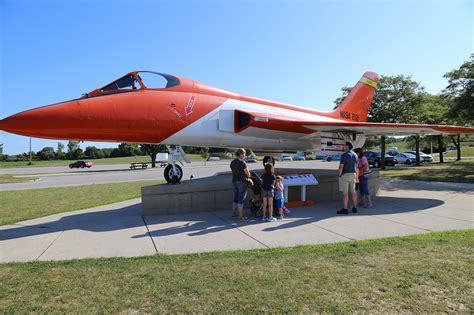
{"points": [[256, 203]]}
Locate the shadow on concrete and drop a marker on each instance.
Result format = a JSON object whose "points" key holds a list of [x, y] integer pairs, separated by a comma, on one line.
{"points": [[97, 221], [383, 205], [202, 223]]}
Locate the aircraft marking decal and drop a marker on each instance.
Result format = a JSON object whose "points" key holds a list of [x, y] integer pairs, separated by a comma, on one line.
{"points": [[190, 105]]}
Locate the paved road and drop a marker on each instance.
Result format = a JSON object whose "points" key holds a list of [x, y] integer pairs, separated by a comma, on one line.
{"points": [[100, 174], [402, 208]]}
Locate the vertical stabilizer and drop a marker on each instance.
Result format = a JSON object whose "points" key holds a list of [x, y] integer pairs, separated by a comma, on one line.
{"points": [[356, 105]]}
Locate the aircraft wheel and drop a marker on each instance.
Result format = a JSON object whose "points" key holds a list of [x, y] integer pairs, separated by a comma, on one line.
{"points": [[267, 159], [376, 164], [172, 177]]}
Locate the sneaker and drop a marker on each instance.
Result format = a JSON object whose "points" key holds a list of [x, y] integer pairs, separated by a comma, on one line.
{"points": [[243, 219], [280, 217], [354, 209], [343, 211], [369, 206], [264, 219], [271, 219]]}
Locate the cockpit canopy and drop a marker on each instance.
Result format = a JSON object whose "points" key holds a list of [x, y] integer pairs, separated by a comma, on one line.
{"points": [[137, 80]]}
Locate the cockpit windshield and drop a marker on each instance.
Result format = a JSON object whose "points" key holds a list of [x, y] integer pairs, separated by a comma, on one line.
{"points": [[127, 82], [135, 81], [154, 80]]}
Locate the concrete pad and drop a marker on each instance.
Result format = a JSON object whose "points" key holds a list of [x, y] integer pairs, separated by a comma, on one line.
{"points": [[451, 212], [24, 243], [103, 231], [80, 243], [197, 232], [427, 222], [291, 233], [362, 227]]}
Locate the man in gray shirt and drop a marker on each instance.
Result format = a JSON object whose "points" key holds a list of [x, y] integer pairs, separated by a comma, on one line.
{"points": [[347, 174]]}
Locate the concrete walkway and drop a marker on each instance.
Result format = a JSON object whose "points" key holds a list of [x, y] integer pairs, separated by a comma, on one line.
{"points": [[402, 208]]}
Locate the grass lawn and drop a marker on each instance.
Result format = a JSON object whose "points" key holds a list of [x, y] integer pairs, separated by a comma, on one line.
{"points": [[428, 273], [465, 152], [34, 203], [457, 171], [8, 178], [119, 160]]}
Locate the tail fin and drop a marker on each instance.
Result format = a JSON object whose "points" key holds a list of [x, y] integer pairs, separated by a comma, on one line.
{"points": [[356, 105]]}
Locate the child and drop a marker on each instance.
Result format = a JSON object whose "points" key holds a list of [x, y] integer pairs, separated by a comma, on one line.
{"points": [[363, 171], [279, 198], [268, 186]]}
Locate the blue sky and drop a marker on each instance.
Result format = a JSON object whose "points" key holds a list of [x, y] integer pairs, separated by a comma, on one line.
{"points": [[297, 52]]}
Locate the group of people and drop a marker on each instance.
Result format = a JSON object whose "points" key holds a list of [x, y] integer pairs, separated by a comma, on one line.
{"points": [[353, 178], [272, 188], [353, 175]]}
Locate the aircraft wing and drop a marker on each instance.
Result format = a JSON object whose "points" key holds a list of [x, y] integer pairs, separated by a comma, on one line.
{"points": [[278, 124]]}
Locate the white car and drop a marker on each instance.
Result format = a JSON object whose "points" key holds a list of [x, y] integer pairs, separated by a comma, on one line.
{"points": [[423, 156], [406, 158], [213, 158], [285, 157], [298, 158]]}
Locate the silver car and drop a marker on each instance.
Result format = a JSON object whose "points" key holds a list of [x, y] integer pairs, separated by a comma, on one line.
{"points": [[406, 158], [423, 156]]}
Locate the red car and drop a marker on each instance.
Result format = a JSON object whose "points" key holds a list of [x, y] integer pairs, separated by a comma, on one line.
{"points": [[80, 164]]}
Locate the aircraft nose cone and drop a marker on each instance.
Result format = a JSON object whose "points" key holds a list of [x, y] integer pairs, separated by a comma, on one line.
{"points": [[44, 122]]}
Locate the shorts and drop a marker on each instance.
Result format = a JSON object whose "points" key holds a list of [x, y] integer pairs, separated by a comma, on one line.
{"points": [[240, 192], [279, 203], [267, 193], [347, 183], [364, 186]]}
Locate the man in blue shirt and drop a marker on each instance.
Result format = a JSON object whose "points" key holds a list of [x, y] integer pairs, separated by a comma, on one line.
{"points": [[347, 174]]}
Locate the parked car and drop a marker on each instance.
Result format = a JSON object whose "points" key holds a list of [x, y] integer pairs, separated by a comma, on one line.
{"points": [[251, 159], [333, 158], [213, 158], [298, 158], [375, 159], [320, 155], [285, 157], [423, 156], [80, 164], [405, 158]]}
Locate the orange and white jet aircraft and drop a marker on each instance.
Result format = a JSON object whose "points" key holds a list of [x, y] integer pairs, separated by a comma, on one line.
{"points": [[150, 107]]}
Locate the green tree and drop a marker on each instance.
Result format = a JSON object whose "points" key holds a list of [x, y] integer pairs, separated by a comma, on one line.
{"points": [[46, 154], [127, 149], [460, 91], [152, 150], [60, 155], [93, 153], [72, 146]]}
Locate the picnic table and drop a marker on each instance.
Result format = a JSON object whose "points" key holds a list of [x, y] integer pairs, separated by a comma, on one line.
{"points": [[136, 165]]}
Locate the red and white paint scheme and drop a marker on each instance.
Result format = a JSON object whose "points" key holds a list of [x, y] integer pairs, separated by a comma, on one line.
{"points": [[150, 107]]}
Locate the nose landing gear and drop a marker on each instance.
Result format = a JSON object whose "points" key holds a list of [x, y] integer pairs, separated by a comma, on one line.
{"points": [[174, 172]]}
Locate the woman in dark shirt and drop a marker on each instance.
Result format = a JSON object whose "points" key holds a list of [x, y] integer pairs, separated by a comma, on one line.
{"points": [[240, 176], [268, 186]]}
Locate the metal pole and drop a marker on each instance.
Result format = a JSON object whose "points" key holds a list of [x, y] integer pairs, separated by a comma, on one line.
{"points": [[417, 138], [382, 157], [440, 149], [30, 152]]}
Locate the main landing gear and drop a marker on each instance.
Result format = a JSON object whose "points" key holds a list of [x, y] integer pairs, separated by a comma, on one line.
{"points": [[174, 172]]}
